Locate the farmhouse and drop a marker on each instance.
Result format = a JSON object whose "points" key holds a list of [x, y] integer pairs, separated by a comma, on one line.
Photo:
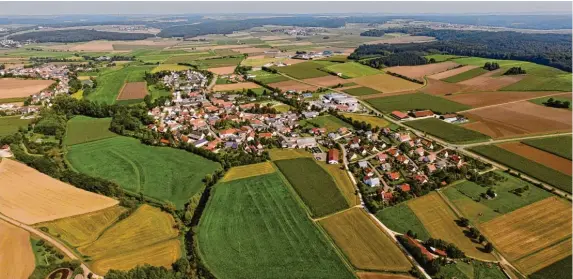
{"points": [[333, 156], [422, 113], [399, 115]]}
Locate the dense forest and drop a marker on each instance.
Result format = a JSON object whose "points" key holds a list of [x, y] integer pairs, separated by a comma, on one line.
{"points": [[407, 58], [229, 26], [373, 33], [547, 49], [77, 35]]}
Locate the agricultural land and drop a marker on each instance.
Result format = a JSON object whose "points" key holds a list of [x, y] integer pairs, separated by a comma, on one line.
{"points": [[85, 129]]}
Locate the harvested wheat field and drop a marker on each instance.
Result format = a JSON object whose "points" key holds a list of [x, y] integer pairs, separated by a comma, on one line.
{"points": [[386, 83], [248, 171], [546, 257], [30, 196], [222, 70], [325, 81], [376, 275], [440, 222], [161, 254], [142, 237], [419, 72], [94, 46], [531, 228], [438, 87], [16, 256], [452, 72], [545, 158], [235, 86], [83, 229], [133, 90], [516, 119], [15, 88], [285, 154], [482, 99], [363, 242], [489, 82], [293, 85]]}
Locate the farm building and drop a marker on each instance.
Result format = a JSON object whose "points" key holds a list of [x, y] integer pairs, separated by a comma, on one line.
{"points": [[399, 115], [423, 113], [333, 156]]}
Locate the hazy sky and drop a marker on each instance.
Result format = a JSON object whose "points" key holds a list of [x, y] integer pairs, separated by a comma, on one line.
{"points": [[81, 7]]}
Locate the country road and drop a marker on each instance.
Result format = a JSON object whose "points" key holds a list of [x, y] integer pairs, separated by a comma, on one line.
{"points": [[52, 241]]}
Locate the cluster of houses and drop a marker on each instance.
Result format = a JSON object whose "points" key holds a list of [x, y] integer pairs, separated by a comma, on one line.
{"points": [[186, 81], [338, 102], [7, 43], [421, 114], [47, 71], [387, 166]]}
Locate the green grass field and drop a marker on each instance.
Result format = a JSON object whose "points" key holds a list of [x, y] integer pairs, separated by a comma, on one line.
{"points": [[255, 228], [446, 131], [352, 70], [542, 100], [466, 75], [401, 218], [329, 122], [85, 129], [526, 166], [304, 70], [361, 91], [111, 82], [159, 172], [314, 185], [559, 270], [156, 93], [266, 77], [539, 77], [473, 270], [415, 101], [560, 146], [441, 57], [217, 62], [10, 124], [466, 193]]}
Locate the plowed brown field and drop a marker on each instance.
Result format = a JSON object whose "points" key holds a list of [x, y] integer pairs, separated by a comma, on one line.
{"points": [[133, 90], [30, 196], [489, 82], [16, 256], [419, 72], [518, 118], [222, 70], [545, 158], [438, 87], [14, 88], [482, 99], [293, 85], [325, 81], [451, 73]]}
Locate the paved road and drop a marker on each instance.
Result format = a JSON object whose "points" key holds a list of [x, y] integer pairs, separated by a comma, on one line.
{"points": [[51, 240]]}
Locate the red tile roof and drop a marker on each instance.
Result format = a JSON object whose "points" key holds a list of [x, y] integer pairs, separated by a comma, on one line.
{"points": [[423, 113], [399, 114]]}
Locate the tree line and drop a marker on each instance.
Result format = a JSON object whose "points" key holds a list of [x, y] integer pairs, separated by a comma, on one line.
{"points": [[78, 35], [546, 49]]}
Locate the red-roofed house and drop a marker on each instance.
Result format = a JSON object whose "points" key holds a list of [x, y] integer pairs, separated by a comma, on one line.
{"points": [[393, 175], [404, 187], [332, 156], [423, 113], [431, 168]]}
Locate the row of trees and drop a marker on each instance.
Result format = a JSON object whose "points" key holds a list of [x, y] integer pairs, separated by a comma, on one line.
{"points": [[515, 71], [409, 58], [557, 103]]}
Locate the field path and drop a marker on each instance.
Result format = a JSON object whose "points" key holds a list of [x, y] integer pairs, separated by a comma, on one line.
{"points": [[52, 241]]}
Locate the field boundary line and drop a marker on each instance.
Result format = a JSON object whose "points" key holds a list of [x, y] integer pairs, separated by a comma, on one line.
{"points": [[512, 102], [335, 213], [546, 247], [293, 191]]}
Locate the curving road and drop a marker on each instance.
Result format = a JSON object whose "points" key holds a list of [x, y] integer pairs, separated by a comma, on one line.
{"points": [[52, 241]]}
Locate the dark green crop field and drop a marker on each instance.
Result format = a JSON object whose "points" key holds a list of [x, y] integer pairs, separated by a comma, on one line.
{"points": [[255, 228], [401, 218], [314, 185], [526, 166], [163, 173], [85, 129], [449, 132], [415, 101], [304, 70], [558, 270]]}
